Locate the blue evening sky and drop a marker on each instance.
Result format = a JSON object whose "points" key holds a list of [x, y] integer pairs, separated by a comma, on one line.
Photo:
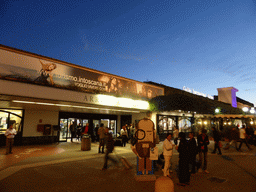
{"points": [[200, 44]]}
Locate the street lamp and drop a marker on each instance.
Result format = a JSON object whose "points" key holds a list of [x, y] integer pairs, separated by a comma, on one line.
{"points": [[245, 109]]}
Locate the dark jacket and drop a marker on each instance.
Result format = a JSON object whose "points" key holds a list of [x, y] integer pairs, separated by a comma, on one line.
{"points": [[110, 142], [72, 128], [192, 147], [183, 149], [216, 136], [234, 134], [204, 143]]}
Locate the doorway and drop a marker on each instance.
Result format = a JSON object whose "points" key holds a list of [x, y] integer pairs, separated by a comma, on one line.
{"points": [[81, 119], [65, 133]]}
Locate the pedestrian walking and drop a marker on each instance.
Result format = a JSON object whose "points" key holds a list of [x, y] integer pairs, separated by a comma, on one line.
{"points": [[203, 142], [132, 131], [101, 133], [10, 134], [249, 135], [78, 132], [234, 137], [184, 175], [242, 134], [96, 132], [216, 138], [90, 132], [110, 147], [72, 129], [168, 151], [128, 132], [192, 151], [124, 135]]}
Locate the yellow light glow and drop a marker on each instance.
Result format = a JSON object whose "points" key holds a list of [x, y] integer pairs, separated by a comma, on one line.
{"points": [[73, 106], [251, 122], [225, 123], [229, 123], [205, 122], [122, 102], [199, 122]]}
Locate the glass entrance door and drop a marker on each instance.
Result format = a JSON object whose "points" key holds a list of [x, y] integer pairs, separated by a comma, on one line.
{"points": [[65, 133], [63, 129]]}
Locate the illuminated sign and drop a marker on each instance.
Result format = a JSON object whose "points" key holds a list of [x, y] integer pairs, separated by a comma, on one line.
{"points": [[197, 93], [108, 100], [52, 73]]}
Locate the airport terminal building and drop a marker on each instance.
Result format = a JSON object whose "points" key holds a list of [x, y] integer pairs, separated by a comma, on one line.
{"points": [[40, 95]]}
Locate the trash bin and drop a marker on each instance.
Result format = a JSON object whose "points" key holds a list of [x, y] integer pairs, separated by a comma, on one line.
{"points": [[86, 143]]}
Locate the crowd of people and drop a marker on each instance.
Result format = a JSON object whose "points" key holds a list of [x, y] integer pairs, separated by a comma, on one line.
{"points": [[77, 131], [189, 149]]}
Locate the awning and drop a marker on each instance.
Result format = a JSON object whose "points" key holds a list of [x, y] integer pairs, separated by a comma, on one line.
{"points": [[191, 103]]}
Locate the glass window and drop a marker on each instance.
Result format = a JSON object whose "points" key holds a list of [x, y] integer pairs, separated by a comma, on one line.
{"points": [[184, 124], [166, 123], [10, 116], [113, 127], [3, 122], [63, 129], [16, 120]]}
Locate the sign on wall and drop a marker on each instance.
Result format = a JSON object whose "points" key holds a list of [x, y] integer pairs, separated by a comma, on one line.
{"points": [[197, 93], [27, 69]]}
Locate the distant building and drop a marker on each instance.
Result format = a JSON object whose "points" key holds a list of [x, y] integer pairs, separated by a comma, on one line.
{"points": [[189, 111]]}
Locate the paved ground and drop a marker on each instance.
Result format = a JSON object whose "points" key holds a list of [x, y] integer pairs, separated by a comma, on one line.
{"points": [[64, 167]]}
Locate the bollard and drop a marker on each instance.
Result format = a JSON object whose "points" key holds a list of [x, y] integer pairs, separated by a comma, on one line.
{"points": [[164, 184]]}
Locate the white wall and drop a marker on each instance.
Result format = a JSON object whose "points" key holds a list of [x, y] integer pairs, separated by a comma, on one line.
{"points": [[31, 120]]}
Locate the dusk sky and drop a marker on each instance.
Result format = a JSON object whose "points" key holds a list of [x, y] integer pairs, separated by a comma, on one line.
{"points": [[200, 44]]}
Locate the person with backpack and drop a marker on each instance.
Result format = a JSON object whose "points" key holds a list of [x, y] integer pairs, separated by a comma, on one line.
{"points": [[110, 147]]}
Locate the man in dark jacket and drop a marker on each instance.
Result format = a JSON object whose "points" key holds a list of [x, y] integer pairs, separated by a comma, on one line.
{"points": [[203, 142], [216, 137], [193, 150], [110, 147], [72, 129], [184, 175]]}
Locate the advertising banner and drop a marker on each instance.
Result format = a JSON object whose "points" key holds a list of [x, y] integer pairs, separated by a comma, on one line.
{"points": [[28, 69]]}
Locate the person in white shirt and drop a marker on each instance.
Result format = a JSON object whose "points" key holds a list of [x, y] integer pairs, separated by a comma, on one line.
{"points": [[167, 147], [124, 135], [243, 138], [10, 133]]}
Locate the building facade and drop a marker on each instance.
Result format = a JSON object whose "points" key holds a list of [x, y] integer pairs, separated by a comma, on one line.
{"points": [[41, 96]]}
